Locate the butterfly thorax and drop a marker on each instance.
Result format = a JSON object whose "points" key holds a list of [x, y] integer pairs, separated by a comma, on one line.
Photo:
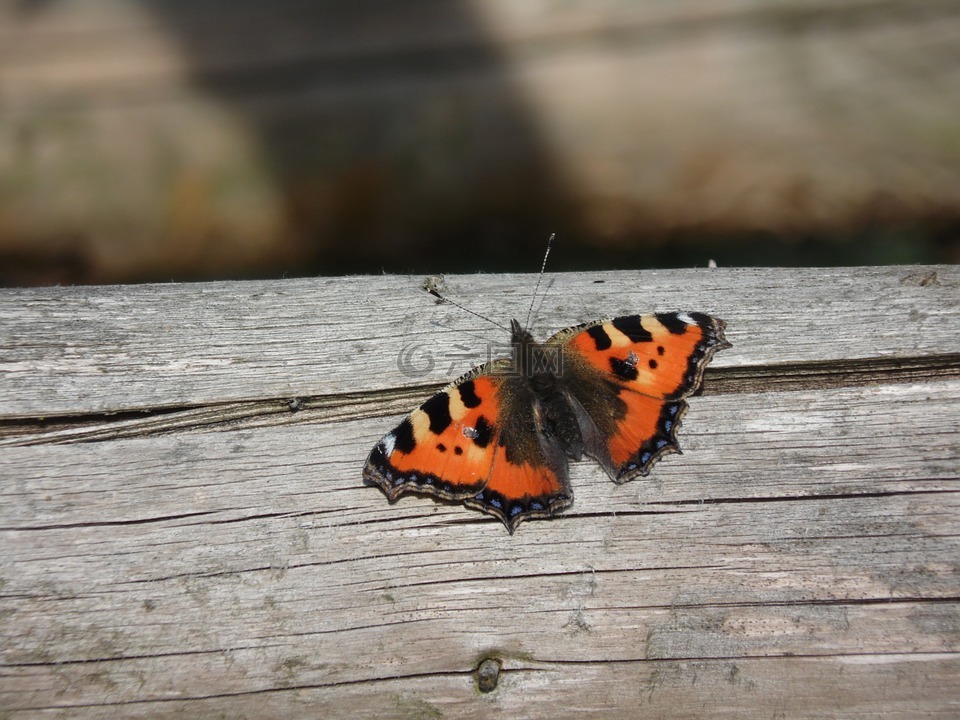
{"points": [[539, 368], [538, 362]]}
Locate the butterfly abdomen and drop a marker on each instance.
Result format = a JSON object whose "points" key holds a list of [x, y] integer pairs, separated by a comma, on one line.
{"points": [[540, 367], [557, 419]]}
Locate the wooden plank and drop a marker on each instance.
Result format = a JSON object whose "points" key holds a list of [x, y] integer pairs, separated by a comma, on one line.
{"points": [[232, 563], [800, 558], [748, 689], [115, 349]]}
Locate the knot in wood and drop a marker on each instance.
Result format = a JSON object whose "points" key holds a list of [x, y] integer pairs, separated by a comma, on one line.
{"points": [[488, 674]]}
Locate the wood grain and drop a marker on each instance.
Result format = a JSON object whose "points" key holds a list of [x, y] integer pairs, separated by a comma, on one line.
{"points": [[799, 560]]}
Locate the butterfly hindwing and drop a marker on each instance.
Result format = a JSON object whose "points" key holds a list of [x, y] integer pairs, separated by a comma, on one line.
{"points": [[628, 377], [476, 442]]}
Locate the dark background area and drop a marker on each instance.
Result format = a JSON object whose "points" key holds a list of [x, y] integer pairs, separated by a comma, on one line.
{"points": [[182, 141]]}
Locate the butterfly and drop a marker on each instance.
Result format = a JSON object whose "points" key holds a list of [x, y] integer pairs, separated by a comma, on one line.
{"points": [[498, 438]]}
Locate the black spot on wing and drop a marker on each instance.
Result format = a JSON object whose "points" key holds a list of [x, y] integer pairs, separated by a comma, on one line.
{"points": [[623, 369], [468, 394], [672, 322], [599, 336], [630, 326], [377, 458], [403, 437], [437, 409], [483, 432], [704, 321]]}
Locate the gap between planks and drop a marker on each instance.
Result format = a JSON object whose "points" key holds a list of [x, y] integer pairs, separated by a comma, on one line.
{"points": [[356, 406]]}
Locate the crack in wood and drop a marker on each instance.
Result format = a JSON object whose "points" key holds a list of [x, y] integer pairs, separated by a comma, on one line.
{"points": [[247, 693], [149, 422], [110, 523], [831, 375], [793, 498], [535, 665]]}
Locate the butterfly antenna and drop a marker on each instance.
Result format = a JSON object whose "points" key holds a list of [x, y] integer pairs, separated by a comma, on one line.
{"points": [[543, 266], [430, 288]]}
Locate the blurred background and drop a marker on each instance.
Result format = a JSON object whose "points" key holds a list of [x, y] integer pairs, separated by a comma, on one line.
{"points": [[174, 140]]}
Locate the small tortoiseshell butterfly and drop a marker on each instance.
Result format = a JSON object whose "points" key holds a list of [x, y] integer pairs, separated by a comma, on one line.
{"points": [[498, 438]]}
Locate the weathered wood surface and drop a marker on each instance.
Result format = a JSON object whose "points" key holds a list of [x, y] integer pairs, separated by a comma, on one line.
{"points": [[219, 557]]}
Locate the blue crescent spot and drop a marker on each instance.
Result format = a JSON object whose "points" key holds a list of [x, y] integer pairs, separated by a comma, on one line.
{"points": [[645, 457], [515, 510]]}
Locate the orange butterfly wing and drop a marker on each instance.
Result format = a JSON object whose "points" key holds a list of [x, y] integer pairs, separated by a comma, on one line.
{"points": [[630, 376], [473, 442]]}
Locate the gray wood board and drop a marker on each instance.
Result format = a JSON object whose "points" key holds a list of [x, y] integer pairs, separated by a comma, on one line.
{"points": [[74, 351], [799, 559]]}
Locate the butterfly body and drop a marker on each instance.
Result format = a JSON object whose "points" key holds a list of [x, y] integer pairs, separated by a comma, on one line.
{"points": [[498, 439]]}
